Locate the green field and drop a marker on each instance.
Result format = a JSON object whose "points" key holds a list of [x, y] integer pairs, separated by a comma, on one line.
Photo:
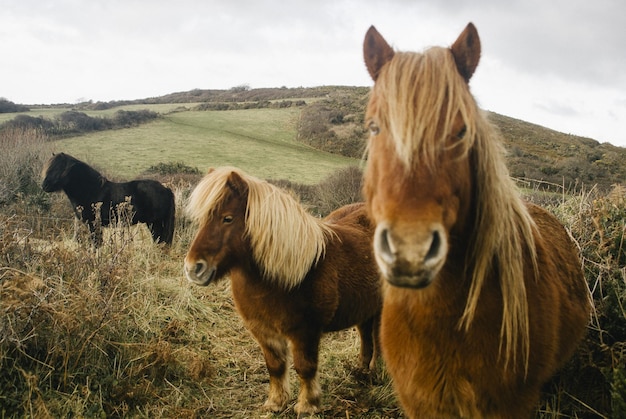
{"points": [[260, 141]]}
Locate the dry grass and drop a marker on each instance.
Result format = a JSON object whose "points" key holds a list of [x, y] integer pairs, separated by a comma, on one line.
{"points": [[593, 384], [119, 332]]}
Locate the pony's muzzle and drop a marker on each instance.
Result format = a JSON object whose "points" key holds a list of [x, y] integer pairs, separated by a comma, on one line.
{"points": [[199, 272], [410, 257], [46, 186]]}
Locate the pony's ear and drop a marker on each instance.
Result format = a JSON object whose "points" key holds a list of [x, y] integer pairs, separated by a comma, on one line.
{"points": [[466, 51], [237, 184], [211, 170], [376, 52]]}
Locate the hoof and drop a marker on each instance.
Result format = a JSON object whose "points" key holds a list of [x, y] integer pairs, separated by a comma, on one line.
{"points": [[306, 410], [273, 406]]}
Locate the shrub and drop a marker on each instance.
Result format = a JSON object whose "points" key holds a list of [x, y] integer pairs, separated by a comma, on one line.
{"points": [[172, 168], [77, 122], [6, 106], [75, 341], [125, 119], [340, 188], [334, 125], [27, 122], [73, 122]]}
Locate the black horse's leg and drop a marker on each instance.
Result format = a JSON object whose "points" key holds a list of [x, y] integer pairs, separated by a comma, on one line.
{"points": [[276, 351], [305, 356], [157, 230]]}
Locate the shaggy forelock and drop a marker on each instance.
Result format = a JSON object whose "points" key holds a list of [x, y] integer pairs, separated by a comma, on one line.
{"points": [[286, 240]]}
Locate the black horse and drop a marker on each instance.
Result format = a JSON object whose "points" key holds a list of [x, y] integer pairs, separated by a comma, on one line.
{"points": [[97, 201]]}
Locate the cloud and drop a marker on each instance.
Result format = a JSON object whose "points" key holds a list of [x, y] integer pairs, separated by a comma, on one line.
{"points": [[542, 61]]}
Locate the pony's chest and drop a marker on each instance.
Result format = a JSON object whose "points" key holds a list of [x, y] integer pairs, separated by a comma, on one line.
{"points": [[259, 303], [436, 362]]}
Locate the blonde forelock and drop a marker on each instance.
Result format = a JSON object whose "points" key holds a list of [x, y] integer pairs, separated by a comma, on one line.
{"points": [[286, 240], [418, 96]]}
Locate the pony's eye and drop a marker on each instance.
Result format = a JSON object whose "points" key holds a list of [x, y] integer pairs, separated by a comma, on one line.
{"points": [[374, 128], [461, 132], [227, 219]]}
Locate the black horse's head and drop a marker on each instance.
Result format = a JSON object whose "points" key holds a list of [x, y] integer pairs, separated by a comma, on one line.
{"points": [[55, 172]]}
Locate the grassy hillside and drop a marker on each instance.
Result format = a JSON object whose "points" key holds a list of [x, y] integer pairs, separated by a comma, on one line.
{"points": [[542, 157], [331, 121], [260, 141], [539, 153]]}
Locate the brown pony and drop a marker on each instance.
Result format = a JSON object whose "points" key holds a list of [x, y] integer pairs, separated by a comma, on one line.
{"points": [[293, 276], [484, 297]]}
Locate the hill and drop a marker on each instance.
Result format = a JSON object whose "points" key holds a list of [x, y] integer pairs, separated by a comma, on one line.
{"points": [[333, 122], [330, 119], [539, 153]]}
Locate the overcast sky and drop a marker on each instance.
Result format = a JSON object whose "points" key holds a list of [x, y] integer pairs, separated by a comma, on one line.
{"points": [[556, 63]]}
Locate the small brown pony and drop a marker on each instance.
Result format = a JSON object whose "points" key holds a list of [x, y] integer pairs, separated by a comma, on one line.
{"points": [[293, 276], [484, 296]]}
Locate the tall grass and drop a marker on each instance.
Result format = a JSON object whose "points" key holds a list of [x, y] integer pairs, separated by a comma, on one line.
{"points": [[23, 154], [598, 223], [118, 332]]}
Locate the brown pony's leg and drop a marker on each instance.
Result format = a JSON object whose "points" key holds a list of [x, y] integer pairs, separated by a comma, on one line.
{"points": [[305, 355], [368, 331], [276, 351]]}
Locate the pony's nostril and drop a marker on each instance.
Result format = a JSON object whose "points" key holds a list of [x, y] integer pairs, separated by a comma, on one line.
{"points": [[384, 246], [200, 268], [435, 244], [195, 269]]}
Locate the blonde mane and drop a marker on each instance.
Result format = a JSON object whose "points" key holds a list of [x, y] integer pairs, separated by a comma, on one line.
{"points": [[416, 98], [419, 92], [286, 240]]}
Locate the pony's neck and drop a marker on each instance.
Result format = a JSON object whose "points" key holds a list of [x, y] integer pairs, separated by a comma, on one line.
{"points": [[84, 181], [248, 276]]}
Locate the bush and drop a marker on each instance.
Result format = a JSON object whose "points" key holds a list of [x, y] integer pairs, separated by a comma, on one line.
{"points": [[29, 123], [77, 122], [73, 122], [340, 188], [334, 125], [125, 119], [6, 106], [172, 168]]}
